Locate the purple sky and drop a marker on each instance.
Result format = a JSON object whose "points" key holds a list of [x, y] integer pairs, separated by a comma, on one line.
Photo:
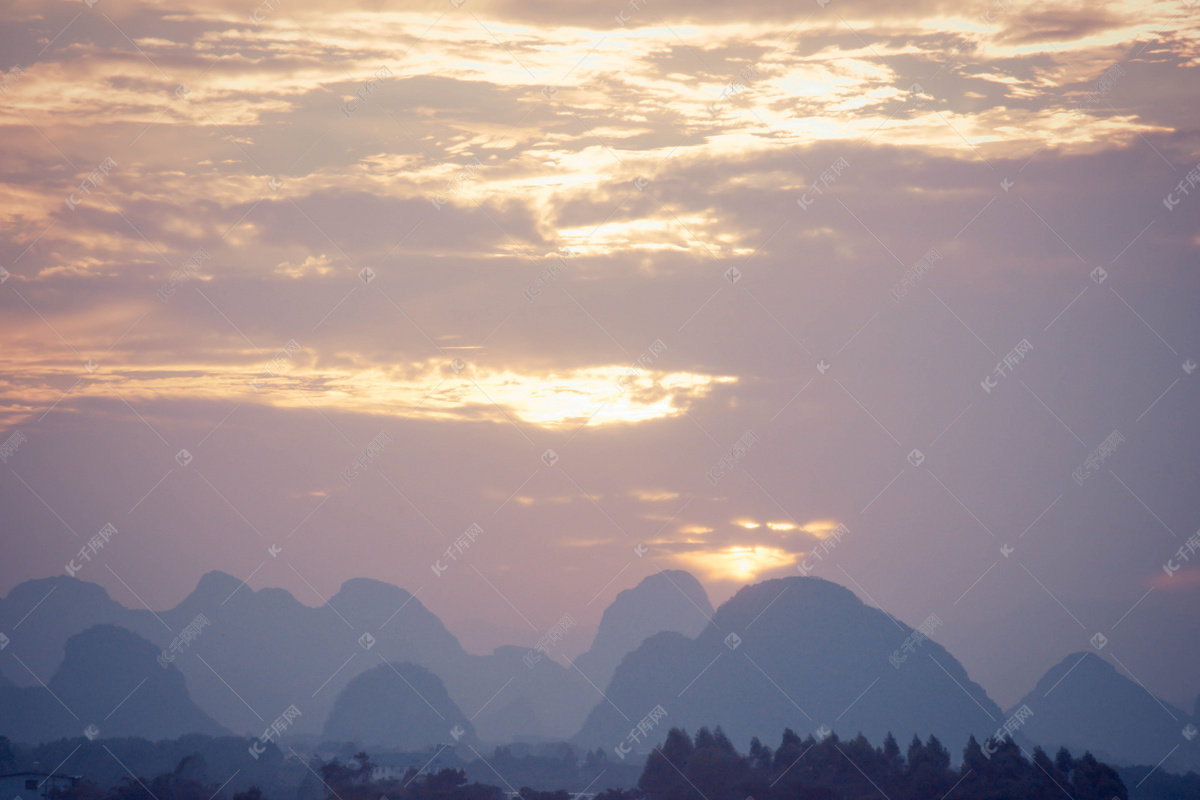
{"points": [[559, 260]]}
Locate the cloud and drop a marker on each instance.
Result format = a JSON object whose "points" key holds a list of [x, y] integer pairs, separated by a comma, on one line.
{"points": [[479, 253]]}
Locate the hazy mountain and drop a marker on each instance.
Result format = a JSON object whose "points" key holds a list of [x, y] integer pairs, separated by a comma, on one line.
{"points": [[399, 706], [1085, 703], [109, 679], [794, 652], [671, 600], [264, 650], [39, 616]]}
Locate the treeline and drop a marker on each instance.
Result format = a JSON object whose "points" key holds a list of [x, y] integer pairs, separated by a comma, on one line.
{"points": [[710, 768], [707, 767]]}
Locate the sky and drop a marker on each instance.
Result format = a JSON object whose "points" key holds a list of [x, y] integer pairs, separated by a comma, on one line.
{"points": [[514, 304]]}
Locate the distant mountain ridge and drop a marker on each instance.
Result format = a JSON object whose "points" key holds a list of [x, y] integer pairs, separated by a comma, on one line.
{"points": [[278, 652], [800, 653], [109, 684], [400, 706], [795, 652], [1085, 703], [671, 600]]}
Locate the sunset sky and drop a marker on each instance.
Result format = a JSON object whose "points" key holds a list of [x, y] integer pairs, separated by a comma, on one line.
{"points": [[302, 290]]}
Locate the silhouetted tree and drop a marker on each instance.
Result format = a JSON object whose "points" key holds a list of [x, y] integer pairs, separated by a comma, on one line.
{"points": [[832, 769]]}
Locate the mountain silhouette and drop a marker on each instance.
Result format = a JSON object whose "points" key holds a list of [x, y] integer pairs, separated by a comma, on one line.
{"points": [[110, 684], [1085, 703], [400, 706], [796, 653], [671, 600], [264, 649]]}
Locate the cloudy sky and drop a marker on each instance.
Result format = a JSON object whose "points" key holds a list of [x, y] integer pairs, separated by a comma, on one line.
{"points": [[304, 290]]}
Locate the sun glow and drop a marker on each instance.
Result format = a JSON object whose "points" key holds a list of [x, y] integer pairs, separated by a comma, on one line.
{"points": [[739, 563], [820, 528], [600, 395]]}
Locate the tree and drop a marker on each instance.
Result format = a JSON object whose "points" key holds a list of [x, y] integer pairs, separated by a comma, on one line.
{"points": [[662, 778], [1095, 781]]}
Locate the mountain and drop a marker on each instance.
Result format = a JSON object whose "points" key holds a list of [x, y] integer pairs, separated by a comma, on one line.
{"points": [[398, 706], [39, 616], [796, 652], [262, 651], [109, 684], [1085, 703], [671, 600]]}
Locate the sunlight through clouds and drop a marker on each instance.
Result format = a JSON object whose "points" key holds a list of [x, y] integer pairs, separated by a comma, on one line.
{"points": [[738, 563]]}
